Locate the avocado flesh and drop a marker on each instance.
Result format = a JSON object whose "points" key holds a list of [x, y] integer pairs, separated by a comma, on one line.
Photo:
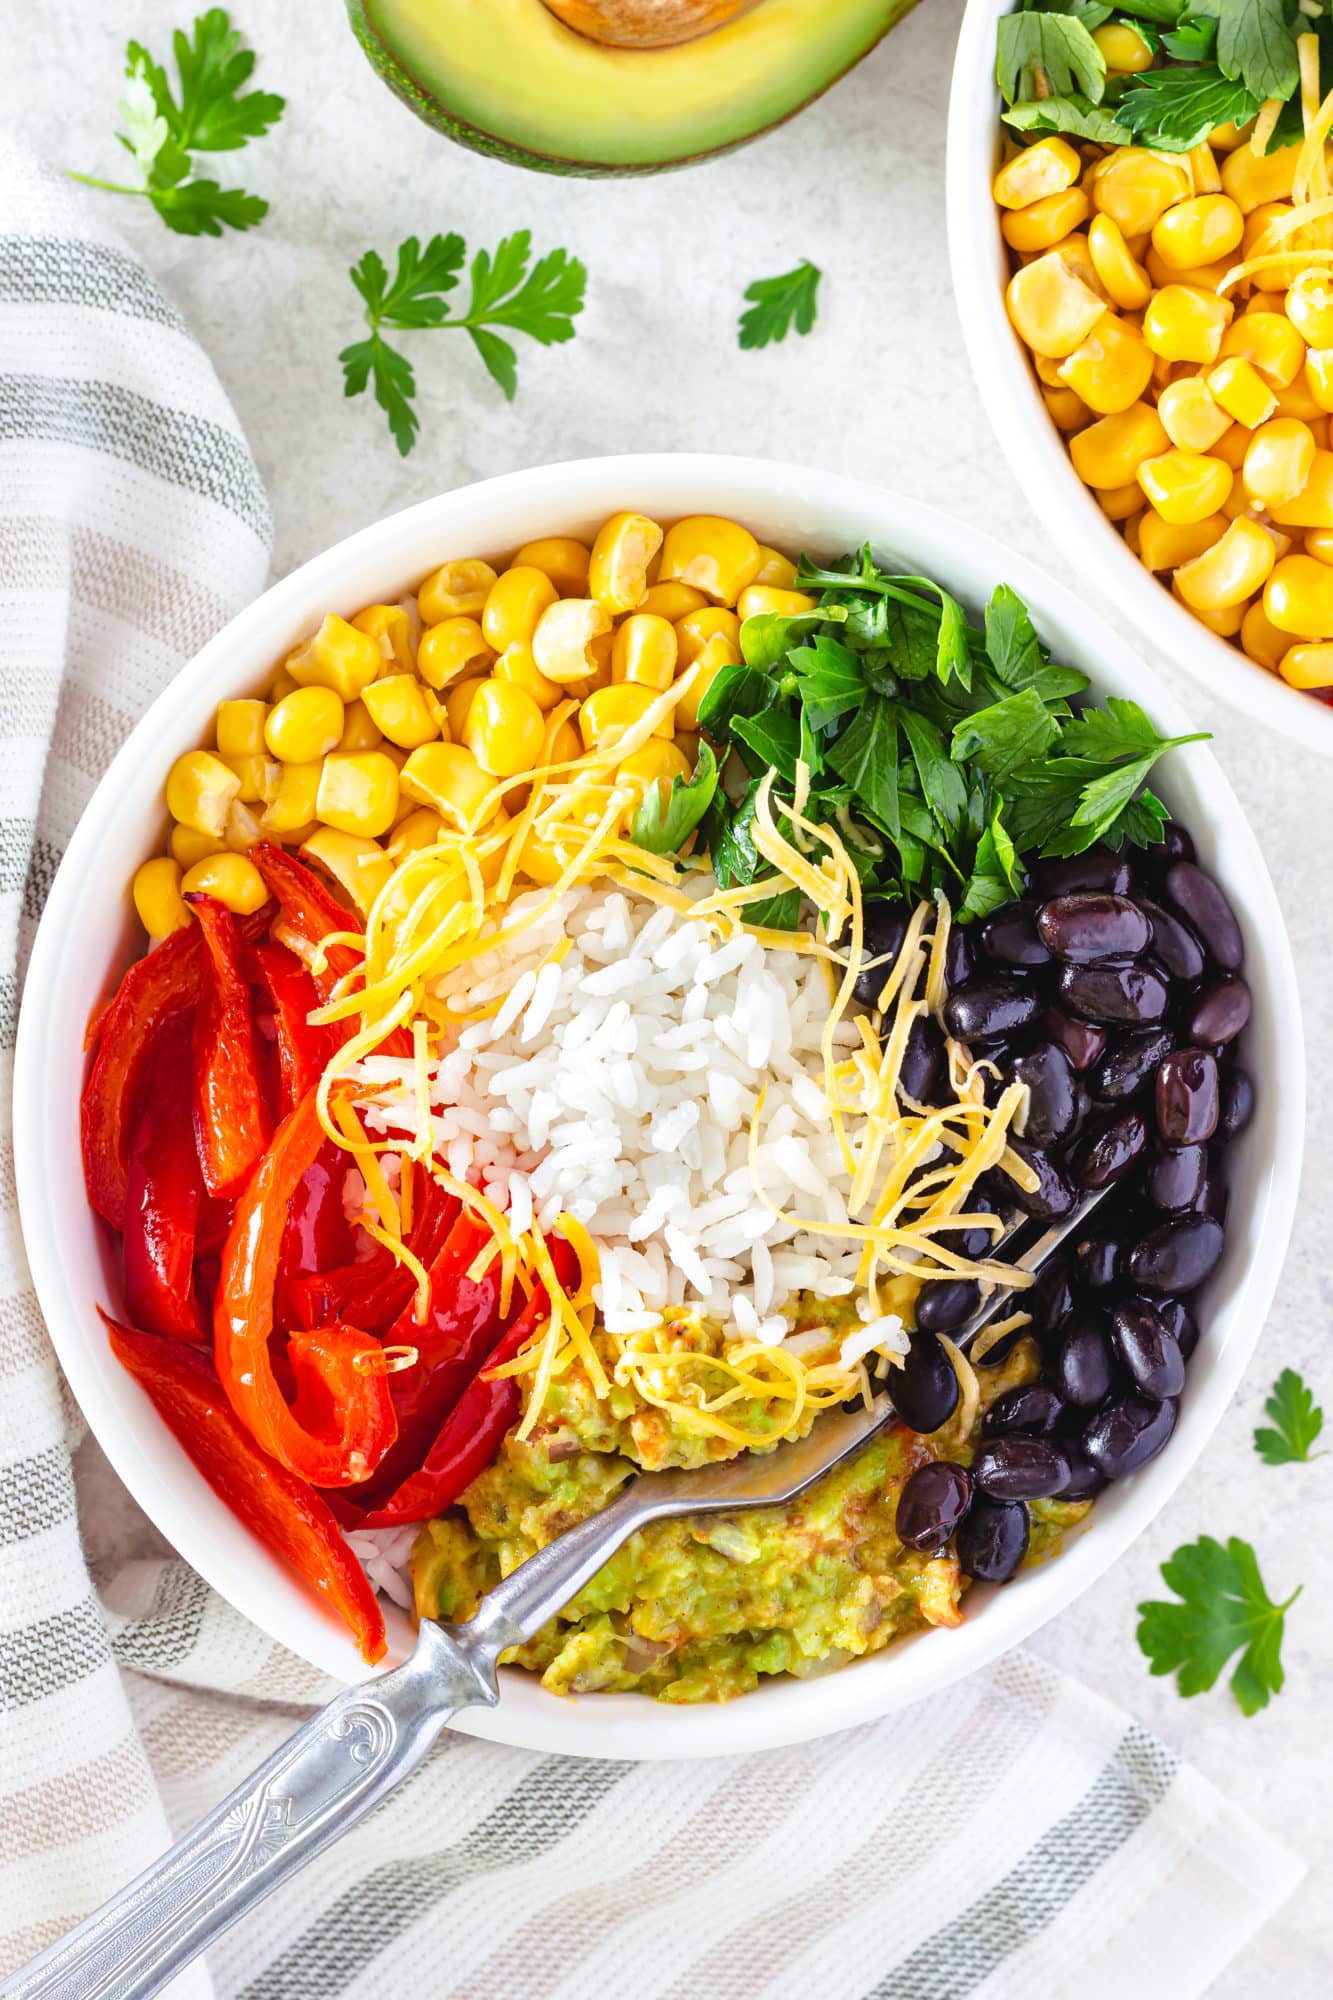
{"points": [[507, 78]]}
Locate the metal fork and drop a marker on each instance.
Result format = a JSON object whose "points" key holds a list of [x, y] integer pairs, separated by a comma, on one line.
{"points": [[362, 1746]]}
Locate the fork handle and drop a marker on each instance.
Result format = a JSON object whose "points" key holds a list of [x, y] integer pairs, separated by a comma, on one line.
{"points": [[317, 1785]]}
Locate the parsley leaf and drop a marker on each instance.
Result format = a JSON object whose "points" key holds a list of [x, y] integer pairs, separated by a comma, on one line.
{"points": [[395, 384], [213, 114], [778, 302], [1223, 1609], [662, 824], [1017, 654], [829, 679], [1297, 1421], [1120, 729], [1073, 114], [1174, 110], [866, 756], [1256, 42], [542, 302], [998, 739], [1047, 55]]}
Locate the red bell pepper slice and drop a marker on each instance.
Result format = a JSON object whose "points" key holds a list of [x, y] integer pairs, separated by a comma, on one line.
{"points": [[373, 1291], [318, 1235], [231, 1120], [472, 1432], [342, 1421], [282, 1511], [156, 989], [312, 914], [164, 1198], [303, 1050]]}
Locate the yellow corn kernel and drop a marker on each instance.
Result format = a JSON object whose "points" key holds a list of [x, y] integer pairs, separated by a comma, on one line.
{"points": [[1168, 544], [565, 746], [337, 657], [1230, 571], [200, 789], [562, 643], [1259, 241], [391, 629], [188, 845], [758, 598], [1076, 255], [1203, 277], [402, 710], [242, 830], [455, 646], [1232, 446], [673, 600], [1270, 343], [1279, 461], [1203, 170], [282, 683], [504, 729], [1110, 452], [1298, 597], [293, 803], [1119, 502], [1048, 371], [1111, 368], [1192, 419], [1260, 640], [606, 715], [1226, 623], [560, 557], [716, 653], [358, 865], [1236, 503], [420, 827], [1052, 308], [1123, 278], [1135, 188], [1242, 391], [1130, 529], [644, 651], [697, 628], [1319, 542], [230, 879], [157, 896], [358, 792], [1040, 170], [657, 762], [1319, 376], [1068, 411], [258, 776], [1182, 324], [1307, 666], [360, 732], [304, 725], [447, 777], [1122, 47], [455, 590], [1251, 179], [458, 702], [618, 568], [517, 666], [776, 571], [1226, 137], [240, 728], [516, 601], [1199, 230], [1313, 505], [1046, 222], [1297, 400], [1185, 486], [1309, 307], [717, 556]]}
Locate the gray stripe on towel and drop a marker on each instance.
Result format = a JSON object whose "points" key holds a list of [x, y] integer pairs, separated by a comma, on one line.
{"points": [[53, 270]]}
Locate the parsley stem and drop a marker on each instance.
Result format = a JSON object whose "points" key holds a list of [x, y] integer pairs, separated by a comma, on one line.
{"points": [[111, 187]]}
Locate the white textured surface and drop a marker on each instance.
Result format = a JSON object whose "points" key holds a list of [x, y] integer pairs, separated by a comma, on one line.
{"points": [[880, 389]]}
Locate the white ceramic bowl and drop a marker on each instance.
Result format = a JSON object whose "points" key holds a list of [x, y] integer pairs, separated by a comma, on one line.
{"points": [[1036, 452], [86, 938]]}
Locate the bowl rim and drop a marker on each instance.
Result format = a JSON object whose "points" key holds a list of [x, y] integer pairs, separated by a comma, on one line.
{"points": [[1037, 457], [143, 1453]]}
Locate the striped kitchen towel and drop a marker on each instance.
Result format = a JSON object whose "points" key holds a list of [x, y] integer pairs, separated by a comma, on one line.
{"points": [[1018, 1836]]}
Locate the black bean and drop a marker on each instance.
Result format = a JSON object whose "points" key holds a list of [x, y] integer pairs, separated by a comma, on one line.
{"points": [[1213, 1199], [1175, 845], [1083, 928], [1085, 1478], [923, 1059], [1130, 1063], [1009, 936], [993, 1539], [1180, 1323], [1097, 1262], [1112, 1153], [1147, 1350], [986, 1007], [924, 1391], [1053, 1105], [1053, 1195], [960, 955], [1134, 994], [1206, 911], [1175, 1180], [1020, 1468], [1096, 868], [1083, 1367], [1033, 1410], [946, 1304], [1220, 1012], [885, 920], [1237, 1104], [1050, 1300], [1080, 1040], [971, 1243], [932, 1503], [1177, 1256], [1187, 1097], [1174, 944], [1127, 1434]]}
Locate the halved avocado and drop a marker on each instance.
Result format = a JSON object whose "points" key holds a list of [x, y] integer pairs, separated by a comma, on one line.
{"points": [[508, 78]]}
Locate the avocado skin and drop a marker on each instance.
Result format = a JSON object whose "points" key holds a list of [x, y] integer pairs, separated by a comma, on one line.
{"points": [[390, 69]]}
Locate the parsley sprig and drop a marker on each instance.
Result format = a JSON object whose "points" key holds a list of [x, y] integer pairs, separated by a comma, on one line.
{"points": [[1296, 1421], [541, 301], [213, 114], [1223, 1609], [778, 303]]}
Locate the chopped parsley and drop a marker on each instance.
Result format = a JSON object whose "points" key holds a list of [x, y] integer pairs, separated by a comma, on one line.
{"points": [[778, 302], [1296, 1421], [1223, 1609]]}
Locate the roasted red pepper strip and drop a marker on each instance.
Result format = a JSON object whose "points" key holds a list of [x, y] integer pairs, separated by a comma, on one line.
{"points": [[471, 1433], [341, 1422], [156, 989], [311, 913], [281, 1510], [303, 1050], [376, 1289], [164, 1198], [318, 1236], [231, 1121]]}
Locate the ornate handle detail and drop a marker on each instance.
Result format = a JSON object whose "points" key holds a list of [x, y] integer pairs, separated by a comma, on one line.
{"points": [[308, 1793]]}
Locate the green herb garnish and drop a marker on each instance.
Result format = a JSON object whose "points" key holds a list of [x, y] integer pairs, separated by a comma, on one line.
{"points": [[778, 302], [1297, 1421], [664, 828], [1223, 1609], [213, 115]]}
